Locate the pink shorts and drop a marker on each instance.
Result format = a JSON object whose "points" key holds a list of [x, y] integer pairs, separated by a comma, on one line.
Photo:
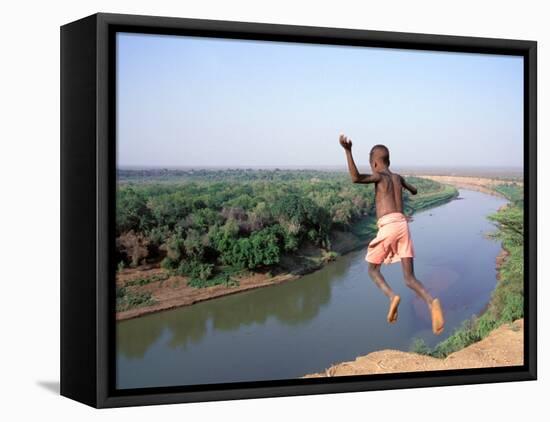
{"points": [[392, 242]]}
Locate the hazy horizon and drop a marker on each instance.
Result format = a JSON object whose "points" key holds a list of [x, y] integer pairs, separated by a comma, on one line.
{"points": [[200, 102], [307, 167], [472, 171]]}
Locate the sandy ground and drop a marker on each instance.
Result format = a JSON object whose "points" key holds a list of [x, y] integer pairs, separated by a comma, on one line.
{"points": [[174, 292], [502, 347]]}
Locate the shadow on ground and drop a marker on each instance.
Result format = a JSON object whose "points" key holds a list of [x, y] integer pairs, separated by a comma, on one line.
{"points": [[51, 386]]}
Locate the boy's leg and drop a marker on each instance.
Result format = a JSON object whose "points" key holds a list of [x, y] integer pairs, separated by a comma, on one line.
{"points": [[412, 282], [438, 320], [378, 278]]}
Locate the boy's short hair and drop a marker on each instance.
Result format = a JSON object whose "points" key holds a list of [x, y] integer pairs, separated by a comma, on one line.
{"points": [[382, 152]]}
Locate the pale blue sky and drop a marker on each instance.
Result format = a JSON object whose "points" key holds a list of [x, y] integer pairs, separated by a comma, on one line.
{"points": [[189, 101]]}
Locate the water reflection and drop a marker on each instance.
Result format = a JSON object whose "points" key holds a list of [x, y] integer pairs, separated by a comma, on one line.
{"points": [[292, 303]]}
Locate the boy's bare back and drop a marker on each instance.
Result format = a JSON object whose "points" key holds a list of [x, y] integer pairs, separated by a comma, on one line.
{"points": [[389, 193]]}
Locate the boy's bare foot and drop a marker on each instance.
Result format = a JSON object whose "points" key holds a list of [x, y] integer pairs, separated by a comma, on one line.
{"points": [[438, 320], [392, 313]]}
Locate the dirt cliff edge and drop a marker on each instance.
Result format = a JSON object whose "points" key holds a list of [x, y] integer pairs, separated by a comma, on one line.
{"points": [[502, 347]]}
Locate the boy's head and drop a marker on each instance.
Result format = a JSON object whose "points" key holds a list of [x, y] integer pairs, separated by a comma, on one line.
{"points": [[379, 157]]}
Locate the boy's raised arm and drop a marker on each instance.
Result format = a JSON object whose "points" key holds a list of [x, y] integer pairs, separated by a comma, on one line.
{"points": [[408, 186], [356, 177]]}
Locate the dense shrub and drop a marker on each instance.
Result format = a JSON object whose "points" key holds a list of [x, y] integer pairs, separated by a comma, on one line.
{"points": [[134, 246], [194, 221]]}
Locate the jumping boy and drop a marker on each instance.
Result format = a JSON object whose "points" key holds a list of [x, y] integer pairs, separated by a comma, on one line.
{"points": [[393, 241]]}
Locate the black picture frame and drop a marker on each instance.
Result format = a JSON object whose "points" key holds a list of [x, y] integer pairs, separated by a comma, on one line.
{"points": [[88, 177]]}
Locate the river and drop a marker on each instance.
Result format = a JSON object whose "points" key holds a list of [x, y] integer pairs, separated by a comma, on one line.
{"points": [[332, 315]]}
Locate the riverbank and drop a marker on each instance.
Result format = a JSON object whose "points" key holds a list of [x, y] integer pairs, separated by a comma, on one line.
{"points": [[502, 347], [150, 289], [169, 291], [506, 303]]}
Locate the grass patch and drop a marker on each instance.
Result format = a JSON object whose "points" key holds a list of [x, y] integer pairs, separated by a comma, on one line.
{"points": [[127, 299], [329, 256], [224, 277], [120, 266], [142, 281]]}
